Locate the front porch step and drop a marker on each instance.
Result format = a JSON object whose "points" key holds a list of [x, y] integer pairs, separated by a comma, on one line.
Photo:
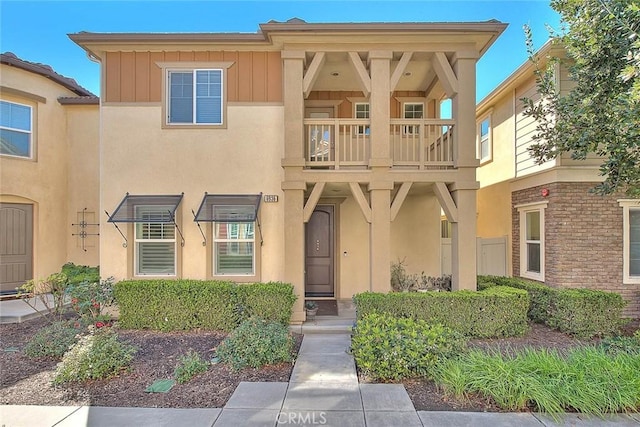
{"points": [[325, 325]]}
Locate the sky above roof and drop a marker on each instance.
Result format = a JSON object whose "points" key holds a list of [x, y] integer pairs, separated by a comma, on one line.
{"points": [[37, 31]]}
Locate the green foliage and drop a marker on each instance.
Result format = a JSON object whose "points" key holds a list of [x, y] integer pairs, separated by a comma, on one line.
{"points": [[169, 305], [99, 355], [584, 313], [495, 312], [269, 301], [52, 340], [601, 113], [618, 344], [80, 273], [390, 348], [256, 343], [88, 299], [189, 365], [586, 380]]}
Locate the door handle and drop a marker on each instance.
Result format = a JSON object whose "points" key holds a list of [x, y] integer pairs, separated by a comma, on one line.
{"points": [[317, 245]]}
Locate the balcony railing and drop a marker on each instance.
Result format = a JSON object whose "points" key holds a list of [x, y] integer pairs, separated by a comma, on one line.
{"points": [[346, 143]]}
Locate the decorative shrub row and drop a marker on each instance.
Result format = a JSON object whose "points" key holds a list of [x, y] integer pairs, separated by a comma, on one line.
{"points": [[584, 313], [391, 348], [495, 312], [169, 305]]}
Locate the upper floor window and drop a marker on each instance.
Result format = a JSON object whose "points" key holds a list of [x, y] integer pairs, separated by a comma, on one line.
{"points": [[413, 110], [484, 140], [532, 240], [631, 241], [362, 112], [195, 97], [16, 134]]}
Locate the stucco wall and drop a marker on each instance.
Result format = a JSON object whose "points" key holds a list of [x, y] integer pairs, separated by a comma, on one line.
{"points": [[140, 157], [44, 181]]}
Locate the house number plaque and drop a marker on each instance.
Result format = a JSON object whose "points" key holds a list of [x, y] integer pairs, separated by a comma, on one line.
{"points": [[271, 198]]}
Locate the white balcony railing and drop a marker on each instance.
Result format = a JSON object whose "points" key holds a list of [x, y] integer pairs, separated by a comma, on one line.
{"points": [[414, 143]]}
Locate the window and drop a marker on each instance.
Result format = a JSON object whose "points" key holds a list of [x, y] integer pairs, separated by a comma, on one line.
{"points": [[445, 228], [155, 241], [484, 140], [362, 112], [532, 240], [631, 241], [195, 97], [413, 110], [234, 247], [15, 130]]}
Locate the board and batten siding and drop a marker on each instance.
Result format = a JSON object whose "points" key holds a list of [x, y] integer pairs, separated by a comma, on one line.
{"points": [[135, 77], [525, 129]]}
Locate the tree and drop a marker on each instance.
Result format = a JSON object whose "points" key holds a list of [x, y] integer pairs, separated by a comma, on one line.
{"points": [[601, 113]]}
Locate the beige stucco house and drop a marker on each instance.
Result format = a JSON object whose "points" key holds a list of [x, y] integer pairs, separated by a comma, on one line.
{"points": [[49, 129], [308, 153], [560, 233]]}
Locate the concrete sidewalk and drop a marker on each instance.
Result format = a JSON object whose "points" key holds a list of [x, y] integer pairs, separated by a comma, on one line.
{"points": [[323, 391]]}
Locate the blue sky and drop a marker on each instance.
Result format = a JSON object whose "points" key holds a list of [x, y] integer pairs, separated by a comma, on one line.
{"points": [[37, 30]]}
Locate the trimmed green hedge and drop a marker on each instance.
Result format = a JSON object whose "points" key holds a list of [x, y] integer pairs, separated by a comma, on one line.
{"points": [[169, 305], [584, 313], [495, 312]]}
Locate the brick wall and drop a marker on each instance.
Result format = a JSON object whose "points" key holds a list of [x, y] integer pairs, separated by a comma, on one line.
{"points": [[583, 239]]}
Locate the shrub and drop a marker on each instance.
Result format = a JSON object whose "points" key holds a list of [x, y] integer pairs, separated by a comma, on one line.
{"points": [[390, 348], [55, 284], [88, 299], [402, 282], [256, 343], [52, 340], [621, 344], [190, 365], [584, 313], [98, 355], [169, 305], [495, 312], [587, 380], [80, 273], [269, 301]]}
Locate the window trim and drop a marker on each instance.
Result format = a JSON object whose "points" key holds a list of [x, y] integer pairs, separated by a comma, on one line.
{"points": [[489, 157], [31, 132], [412, 129], [627, 205], [362, 130], [523, 209], [193, 66]]}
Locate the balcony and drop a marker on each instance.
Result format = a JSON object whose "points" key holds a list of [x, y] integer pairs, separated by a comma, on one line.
{"points": [[346, 143]]}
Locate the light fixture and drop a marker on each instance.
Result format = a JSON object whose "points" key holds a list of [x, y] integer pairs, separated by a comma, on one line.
{"points": [[335, 73], [408, 73]]}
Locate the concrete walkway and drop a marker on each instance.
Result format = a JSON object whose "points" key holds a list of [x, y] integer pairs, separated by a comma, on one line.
{"points": [[323, 391]]}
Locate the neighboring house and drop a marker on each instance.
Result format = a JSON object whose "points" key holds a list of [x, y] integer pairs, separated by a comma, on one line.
{"points": [[307, 153], [49, 129], [561, 233]]}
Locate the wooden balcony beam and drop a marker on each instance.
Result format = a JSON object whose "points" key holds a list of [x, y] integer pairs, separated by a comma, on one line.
{"points": [[446, 201], [357, 193], [445, 74], [397, 73], [312, 201], [361, 71], [312, 73], [399, 199]]}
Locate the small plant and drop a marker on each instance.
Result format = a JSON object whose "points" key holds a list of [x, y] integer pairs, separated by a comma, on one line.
{"points": [[391, 348], [622, 344], [98, 355], [311, 305], [256, 343], [190, 365], [80, 273], [400, 280], [88, 299], [52, 340], [55, 285]]}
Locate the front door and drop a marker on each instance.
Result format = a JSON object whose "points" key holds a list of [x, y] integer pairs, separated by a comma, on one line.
{"points": [[16, 245], [319, 252]]}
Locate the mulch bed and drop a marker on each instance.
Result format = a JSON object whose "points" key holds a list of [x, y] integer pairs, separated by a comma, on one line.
{"points": [[27, 381]]}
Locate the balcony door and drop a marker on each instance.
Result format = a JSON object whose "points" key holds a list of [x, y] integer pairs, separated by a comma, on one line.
{"points": [[319, 253]]}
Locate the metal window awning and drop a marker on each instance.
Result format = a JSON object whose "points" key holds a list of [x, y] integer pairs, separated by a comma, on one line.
{"points": [[140, 208], [228, 208]]}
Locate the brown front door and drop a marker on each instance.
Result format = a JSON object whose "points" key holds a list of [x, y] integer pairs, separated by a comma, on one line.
{"points": [[319, 248], [16, 245]]}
